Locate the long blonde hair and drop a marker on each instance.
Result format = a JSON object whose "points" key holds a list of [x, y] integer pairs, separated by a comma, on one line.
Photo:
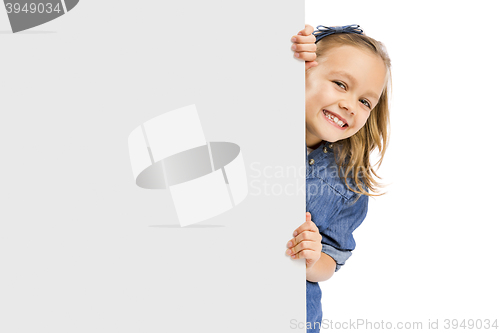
{"points": [[353, 153]]}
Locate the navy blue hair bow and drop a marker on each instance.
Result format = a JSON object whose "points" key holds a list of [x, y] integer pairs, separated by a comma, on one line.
{"points": [[322, 31]]}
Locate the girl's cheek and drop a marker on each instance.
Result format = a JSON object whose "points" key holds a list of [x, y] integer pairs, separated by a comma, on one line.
{"points": [[363, 122]]}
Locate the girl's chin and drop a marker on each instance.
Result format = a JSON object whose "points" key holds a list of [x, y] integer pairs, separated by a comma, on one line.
{"points": [[334, 136]]}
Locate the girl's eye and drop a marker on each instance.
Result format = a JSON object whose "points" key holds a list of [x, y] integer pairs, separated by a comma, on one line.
{"points": [[366, 103], [340, 84]]}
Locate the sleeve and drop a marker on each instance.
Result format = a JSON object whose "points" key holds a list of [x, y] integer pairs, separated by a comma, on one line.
{"points": [[338, 241]]}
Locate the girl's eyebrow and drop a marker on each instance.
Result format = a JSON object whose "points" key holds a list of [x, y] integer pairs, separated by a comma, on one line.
{"points": [[354, 81], [347, 75]]}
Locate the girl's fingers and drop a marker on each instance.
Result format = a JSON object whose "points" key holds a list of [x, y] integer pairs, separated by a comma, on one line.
{"points": [[308, 225], [306, 56], [306, 31], [308, 217], [305, 236], [303, 39], [305, 245], [304, 47], [305, 254]]}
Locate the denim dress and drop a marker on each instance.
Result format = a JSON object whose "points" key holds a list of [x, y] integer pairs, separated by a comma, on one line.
{"points": [[336, 212]]}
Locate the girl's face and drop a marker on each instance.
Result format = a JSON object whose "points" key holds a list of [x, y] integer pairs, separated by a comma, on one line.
{"points": [[346, 85]]}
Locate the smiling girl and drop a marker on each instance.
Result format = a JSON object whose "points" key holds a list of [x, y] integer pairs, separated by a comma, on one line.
{"points": [[347, 117]]}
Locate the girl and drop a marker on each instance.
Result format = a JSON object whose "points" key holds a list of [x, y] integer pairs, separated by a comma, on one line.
{"points": [[347, 117]]}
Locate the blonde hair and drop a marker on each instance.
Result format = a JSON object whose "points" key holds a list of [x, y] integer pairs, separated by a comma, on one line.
{"points": [[353, 153]]}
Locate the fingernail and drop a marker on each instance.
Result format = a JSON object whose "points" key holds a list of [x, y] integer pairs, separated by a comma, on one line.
{"points": [[294, 233], [288, 251], [294, 39], [296, 54], [294, 46], [289, 244], [293, 256]]}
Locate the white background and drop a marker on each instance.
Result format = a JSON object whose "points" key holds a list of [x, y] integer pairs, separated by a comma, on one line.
{"points": [[429, 248]]}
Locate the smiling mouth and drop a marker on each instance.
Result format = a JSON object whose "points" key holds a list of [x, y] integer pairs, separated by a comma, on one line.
{"points": [[333, 117]]}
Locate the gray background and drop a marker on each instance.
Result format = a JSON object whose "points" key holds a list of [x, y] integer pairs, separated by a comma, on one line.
{"points": [[82, 248]]}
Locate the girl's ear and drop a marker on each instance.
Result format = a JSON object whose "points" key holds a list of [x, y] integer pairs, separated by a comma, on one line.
{"points": [[311, 64], [311, 68]]}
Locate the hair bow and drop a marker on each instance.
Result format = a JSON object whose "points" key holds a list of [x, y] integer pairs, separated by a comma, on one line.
{"points": [[323, 31]]}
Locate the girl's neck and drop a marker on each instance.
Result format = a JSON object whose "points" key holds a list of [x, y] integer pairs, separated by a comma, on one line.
{"points": [[314, 144], [312, 141]]}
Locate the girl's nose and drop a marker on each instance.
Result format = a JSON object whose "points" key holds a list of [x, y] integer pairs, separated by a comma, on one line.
{"points": [[348, 106]]}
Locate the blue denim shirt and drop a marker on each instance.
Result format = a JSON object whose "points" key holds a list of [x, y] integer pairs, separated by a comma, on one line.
{"points": [[336, 212]]}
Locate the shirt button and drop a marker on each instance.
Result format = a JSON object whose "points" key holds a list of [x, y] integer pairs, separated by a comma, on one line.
{"points": [[325, 150], [311, 161], [330, 145]]}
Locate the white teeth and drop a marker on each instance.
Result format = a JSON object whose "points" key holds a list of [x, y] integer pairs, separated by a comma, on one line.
{"points": [[335, 119]]}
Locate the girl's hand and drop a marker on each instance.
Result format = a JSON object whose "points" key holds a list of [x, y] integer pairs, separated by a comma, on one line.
{"points": [[304, 47], [306, 243]]}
